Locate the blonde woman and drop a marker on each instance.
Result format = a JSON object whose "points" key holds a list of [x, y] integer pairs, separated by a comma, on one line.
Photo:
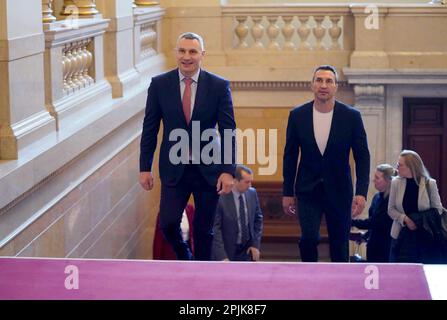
{"points": [[411, 192]]}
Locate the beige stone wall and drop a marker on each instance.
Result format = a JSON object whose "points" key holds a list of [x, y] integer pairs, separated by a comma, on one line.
{"points": [[74, 192], [389, 46], [107, 215]]}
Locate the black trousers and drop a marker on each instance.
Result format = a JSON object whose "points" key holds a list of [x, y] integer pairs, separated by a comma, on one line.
{"points": [[172, 203], [310, 210]]}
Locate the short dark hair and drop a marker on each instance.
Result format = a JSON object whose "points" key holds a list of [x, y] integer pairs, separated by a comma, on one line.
{"points": [[328, 68], [239, 169], [192, 36]]}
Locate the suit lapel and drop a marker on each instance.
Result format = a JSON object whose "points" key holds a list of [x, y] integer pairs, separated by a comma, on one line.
{"points": [[249, 207], [310, 127], [201, 93], [229, 198], [174, 93], [334, 128]]}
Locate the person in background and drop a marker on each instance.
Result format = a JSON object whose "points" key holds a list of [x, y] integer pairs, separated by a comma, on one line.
{"points": [[411, 193], [161, 249], [379, 222], [238, 222]]}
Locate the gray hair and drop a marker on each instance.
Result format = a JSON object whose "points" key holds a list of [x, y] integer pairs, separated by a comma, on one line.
{"points": [[192, 36], [388, 172]]}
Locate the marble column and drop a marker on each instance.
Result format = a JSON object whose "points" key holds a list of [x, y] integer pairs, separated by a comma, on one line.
{"points": [[370, 37], [24, 119], [118, 44]]}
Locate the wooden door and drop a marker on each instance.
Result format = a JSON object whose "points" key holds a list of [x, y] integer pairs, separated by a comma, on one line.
{"points": [[425, 131]]}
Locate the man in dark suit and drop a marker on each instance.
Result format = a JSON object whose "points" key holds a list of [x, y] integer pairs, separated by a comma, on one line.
{"points": [[193, 158], [238, 222], [325, 131]]}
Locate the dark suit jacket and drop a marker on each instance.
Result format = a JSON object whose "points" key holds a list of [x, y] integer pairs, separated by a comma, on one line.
{"points": [[332, 168], [226, 224], [379, 226], [213, 105]]}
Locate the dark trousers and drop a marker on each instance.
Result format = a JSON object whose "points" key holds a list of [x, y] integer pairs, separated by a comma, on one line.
{"points": [[393, 251], [310, 210], [172, 203]]}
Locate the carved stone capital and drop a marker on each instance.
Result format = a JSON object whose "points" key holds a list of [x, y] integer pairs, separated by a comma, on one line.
{"points": [[369, 95]]}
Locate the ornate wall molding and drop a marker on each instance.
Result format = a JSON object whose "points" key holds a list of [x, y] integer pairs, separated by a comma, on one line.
{"points": [[275, 85], [370, 95]]}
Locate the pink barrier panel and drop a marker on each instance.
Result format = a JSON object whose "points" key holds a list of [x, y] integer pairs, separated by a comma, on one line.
{"points": [[23, 278]]}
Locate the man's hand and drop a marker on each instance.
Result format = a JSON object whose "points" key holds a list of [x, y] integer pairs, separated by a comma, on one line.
{"points": [[224, 183], [289, 206], [358, 204], [254, 253], [146, 180]]}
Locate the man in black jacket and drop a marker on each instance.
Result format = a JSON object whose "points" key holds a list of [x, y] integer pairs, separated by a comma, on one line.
{"points": [[325, 131]]}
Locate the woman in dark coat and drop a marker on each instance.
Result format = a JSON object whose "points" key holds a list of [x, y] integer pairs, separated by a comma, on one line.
{"points": [[379, 222]]}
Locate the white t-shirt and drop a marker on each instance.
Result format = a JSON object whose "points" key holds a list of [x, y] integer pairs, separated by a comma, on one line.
{"points": [[322, 127]]}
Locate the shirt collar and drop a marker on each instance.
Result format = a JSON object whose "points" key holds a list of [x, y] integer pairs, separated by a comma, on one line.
{"points": [[195, 77], [236, 193]]}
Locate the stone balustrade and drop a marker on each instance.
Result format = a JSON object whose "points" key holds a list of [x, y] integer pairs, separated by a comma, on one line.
{"points": [[73, 62], [287, 27], [147, 42]]}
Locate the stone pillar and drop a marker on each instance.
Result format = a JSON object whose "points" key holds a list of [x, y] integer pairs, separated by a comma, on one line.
{"points": [[47, 11], [118, 45], [370, 100], [370, 37], [24, 119]]}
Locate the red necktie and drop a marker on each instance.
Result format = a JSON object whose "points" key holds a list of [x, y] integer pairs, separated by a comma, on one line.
{"points": [[187, 99]]}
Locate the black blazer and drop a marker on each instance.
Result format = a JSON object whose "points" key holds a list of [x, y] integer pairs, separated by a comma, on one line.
{"points": [[379, 225], [332, 168], [226, 224], [213, 105]]}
